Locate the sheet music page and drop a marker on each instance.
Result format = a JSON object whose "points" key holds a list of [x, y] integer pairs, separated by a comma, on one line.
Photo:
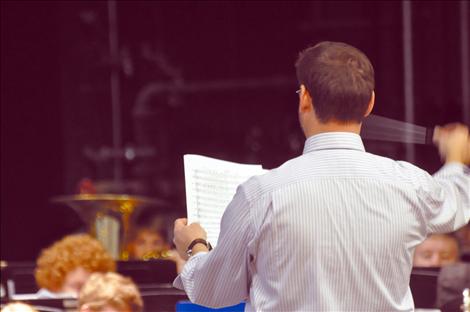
{"points": [[210, 186]]}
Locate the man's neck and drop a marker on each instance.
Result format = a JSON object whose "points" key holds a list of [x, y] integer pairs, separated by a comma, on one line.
{"points": [[333, 126]]}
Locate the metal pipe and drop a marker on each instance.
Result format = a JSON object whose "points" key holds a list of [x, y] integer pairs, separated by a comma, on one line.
{"points": [[464, 54], [115, 90], [408, 72], [141, 107]]}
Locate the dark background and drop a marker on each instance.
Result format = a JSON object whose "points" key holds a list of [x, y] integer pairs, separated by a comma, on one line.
{"points": [[56, 112]]}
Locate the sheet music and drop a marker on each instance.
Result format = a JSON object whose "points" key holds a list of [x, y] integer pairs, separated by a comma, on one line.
{"points": [[210, 186]]}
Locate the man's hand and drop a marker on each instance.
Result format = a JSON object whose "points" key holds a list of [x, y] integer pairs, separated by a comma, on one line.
{"points": [[184, 234], [453, 142]]}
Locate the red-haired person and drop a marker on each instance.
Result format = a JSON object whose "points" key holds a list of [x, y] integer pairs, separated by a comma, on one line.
{"points": [[436, 251], [64, 267]]}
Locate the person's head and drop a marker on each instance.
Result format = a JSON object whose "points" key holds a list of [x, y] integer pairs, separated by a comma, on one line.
{"points": [[66, 265], [436, 251], [109, 292], [146, 243], [463, 236], [18, 307], [337, 80]]}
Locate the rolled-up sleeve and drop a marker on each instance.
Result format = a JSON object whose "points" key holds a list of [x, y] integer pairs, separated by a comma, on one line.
{"points": [[221, 277]]}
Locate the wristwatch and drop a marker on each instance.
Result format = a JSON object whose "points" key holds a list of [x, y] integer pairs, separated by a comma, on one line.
{"points": [[189, 251]]}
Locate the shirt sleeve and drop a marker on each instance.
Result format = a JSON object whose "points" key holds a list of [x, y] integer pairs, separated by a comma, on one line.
{"points": [[446, 198], [221, 277]]}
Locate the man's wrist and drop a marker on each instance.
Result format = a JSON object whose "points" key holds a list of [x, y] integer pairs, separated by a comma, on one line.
{"points": [[199, 248], [198, 245]]}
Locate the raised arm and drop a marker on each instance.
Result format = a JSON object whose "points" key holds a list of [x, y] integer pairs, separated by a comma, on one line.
{"points": [[447, 195], [219, 277], [453, 142]]}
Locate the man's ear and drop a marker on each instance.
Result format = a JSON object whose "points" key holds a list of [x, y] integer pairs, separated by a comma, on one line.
{"points": [[370, 107], [305, 100]]}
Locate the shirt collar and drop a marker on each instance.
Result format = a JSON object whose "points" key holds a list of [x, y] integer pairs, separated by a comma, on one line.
{"points": [[333, 140]]}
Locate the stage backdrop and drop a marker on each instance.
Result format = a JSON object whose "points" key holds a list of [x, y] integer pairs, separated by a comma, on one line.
{"points": [[215, 78]]}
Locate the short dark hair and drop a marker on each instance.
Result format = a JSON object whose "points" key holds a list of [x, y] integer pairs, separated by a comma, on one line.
{"points": [[339, 78]]}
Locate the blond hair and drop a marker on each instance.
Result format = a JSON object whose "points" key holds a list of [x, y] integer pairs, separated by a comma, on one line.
{"points": [[110, 289], [71, 252], [18, 307]]}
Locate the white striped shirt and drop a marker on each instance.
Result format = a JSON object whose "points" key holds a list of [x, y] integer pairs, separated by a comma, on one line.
{"points": [[332, 230]]}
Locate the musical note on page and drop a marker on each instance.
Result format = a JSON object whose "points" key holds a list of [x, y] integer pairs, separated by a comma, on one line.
{"points": [[210, 186]]}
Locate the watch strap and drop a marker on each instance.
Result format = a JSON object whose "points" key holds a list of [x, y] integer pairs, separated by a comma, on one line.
{"points": [[189, 251]]}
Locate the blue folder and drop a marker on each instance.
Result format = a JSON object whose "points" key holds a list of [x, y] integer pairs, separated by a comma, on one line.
{"points": [[186, 306]]}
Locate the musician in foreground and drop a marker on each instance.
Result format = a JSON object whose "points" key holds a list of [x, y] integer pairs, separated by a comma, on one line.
{"points": [[335, 228]]}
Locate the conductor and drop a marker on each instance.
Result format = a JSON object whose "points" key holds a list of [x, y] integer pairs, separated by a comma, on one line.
{"points": [[335, 228]]}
